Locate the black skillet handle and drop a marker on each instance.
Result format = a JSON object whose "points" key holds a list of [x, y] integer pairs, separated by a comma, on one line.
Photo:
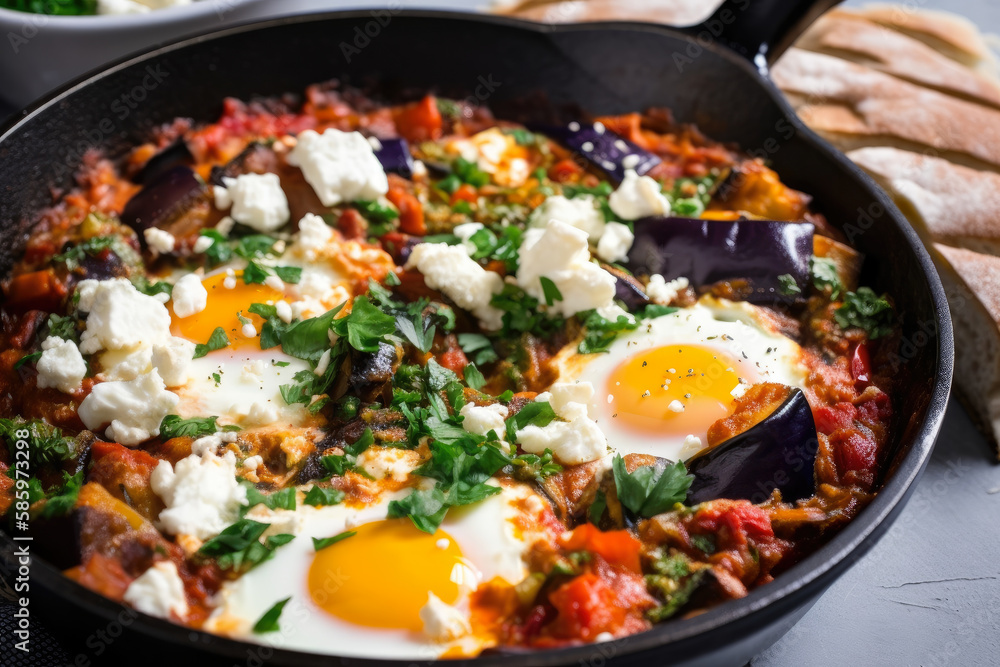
{"points": [[760, 30]]}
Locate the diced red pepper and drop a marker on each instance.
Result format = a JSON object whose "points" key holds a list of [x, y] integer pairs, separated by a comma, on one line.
{"points": [[861, 366], [832, 418], [103, 575], [453, 358], [587, 607], [877, 410], [125, 473], [419, 121], [853, 450], [466, 193], [352, 225], [565, 171], [617, 547], [743, 519], [38, 290], [411, 211]]}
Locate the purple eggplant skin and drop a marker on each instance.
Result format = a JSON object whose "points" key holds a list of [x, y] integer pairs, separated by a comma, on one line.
{"points": [[173, 155], [394, 154], [609, 152], [778, 453], [161, 197], [628, 290], [708, 251]]}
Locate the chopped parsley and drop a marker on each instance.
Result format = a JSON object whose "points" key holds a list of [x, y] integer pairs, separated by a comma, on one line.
{"points": [[825, 277], [478, 348], [366, 326], [220, 251], [269, 621], [53, 7], [602, 332], [647, 491], [216, 341], [279, 500], [319, 497], [788, 286], [173, 426], [63, 500], [551, 292], [238, 547], [866, 310], [46, 444], [254, 273], [27, 359], [253, 246], [94, 247], [330, 541], [63, 327]]}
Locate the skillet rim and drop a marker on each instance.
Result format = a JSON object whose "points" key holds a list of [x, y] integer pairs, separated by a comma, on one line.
{"points": [[797, 586]]}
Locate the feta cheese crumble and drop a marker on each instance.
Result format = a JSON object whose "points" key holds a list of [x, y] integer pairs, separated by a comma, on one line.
{"points": [[483, 419], [189, 296], [580, 212], [561, 253], [314, 235], [134, 409], [257, 201], [340, 166], [442, 621], [662, 292], [61, 365], [172, 360], [201, 494], [576, 440], [159, 240], [159, 591], [460, 278], [638, 197], [615, 242], [120, 316]]}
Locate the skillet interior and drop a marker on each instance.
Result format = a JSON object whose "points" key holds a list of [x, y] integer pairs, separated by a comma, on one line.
{"points": [[604, 68]]}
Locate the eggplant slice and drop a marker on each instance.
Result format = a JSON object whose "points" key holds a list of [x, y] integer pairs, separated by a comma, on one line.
{"points": [[707, 252], [609, 152], [777, 453]]}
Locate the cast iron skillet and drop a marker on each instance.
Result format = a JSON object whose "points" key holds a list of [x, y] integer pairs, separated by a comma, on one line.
{"points": [[710, 75]]}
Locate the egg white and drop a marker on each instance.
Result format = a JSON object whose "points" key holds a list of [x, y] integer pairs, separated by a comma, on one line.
{"points": [[248, 392]]}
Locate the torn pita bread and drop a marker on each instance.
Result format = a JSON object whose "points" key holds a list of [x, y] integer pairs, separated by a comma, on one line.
{"points": [[670, 12], [972, 282], [855, 106], [947, 203], [881, 48], [952, 35]]}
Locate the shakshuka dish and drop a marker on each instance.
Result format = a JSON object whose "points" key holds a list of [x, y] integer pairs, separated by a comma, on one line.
{"points": [[413, 381]]}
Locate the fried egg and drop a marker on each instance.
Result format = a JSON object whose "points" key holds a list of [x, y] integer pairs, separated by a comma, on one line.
{"points": [[240, 383], [659, 388], [363, 596]]}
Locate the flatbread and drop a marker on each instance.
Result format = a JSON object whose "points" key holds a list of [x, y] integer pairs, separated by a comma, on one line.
{"points": [[670, 12], [867, 43], [954, 36], [972, 282], [947, 203], [855, 106]]}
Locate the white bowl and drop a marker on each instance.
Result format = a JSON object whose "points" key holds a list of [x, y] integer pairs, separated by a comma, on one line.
{"points": [[39, 52]]}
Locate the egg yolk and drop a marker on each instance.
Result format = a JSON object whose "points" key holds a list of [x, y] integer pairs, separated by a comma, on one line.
{"points": [[679, 389], [223, 310], [381, 576]]}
